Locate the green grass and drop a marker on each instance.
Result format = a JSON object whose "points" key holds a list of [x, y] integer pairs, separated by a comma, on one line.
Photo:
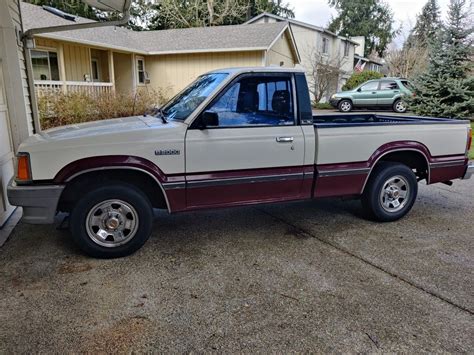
{"points": [[471, 152]]}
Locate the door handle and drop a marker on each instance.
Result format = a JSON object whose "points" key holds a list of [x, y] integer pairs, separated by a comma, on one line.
{"points": [[284, 139], [374, 92]]}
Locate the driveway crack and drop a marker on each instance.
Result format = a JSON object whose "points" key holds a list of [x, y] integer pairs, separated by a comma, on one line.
{"points": [[368, 262]]}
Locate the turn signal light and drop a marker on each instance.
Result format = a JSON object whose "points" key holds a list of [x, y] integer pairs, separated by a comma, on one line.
{"points": [[23, 167]]}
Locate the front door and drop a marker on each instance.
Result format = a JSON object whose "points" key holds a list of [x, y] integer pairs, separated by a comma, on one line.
{"points": [[366, 95], [387, 91], [6, 154], [254, 152]]}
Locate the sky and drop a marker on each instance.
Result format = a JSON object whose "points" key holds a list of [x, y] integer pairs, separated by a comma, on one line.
{"points": [[318, 12]]}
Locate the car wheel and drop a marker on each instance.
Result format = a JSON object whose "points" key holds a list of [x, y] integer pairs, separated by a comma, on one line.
{"points": [[345, 106], [399, 106], [112, 221], [390, 192]]}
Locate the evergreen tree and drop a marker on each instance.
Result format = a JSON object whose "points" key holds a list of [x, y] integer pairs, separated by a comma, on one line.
{"points": [[372, 19], [446, 89], [427, 25]]}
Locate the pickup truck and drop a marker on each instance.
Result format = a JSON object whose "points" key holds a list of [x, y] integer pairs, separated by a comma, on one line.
{"points": [[233, 137]]}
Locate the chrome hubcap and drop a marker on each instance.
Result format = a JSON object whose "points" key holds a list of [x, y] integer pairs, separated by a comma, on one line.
{"points": [[345, 106], [400, 106], [394, 194], [112, 223]]}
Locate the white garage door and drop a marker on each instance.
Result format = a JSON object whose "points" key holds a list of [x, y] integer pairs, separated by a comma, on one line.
{"points": [[6, 154]]}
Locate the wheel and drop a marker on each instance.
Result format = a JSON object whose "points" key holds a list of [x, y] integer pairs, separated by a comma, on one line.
{"points": [[112, 221], [390, 192], [399, 106], [345, 106]]}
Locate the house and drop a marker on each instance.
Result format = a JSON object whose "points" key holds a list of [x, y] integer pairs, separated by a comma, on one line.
{"points": [[121, 60], [321, 51], [362, 63], [16, 118]]}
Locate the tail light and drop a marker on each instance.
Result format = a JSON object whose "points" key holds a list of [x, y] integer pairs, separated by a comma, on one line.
{"points": [[469, 140], [23, 172]]}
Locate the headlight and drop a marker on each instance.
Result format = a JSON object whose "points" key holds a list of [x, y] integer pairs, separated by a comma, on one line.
{"points": [[334, 96]]}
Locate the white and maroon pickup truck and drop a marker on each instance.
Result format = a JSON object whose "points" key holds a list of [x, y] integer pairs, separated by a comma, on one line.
{"points": [[233, 137]]}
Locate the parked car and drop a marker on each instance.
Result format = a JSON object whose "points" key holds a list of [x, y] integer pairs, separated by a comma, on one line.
{"points": [[381, 93], [233, 137]]}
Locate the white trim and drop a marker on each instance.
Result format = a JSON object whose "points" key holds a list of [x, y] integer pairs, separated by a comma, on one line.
{"points": [[137, 75], [99, 72], [211, 50]]}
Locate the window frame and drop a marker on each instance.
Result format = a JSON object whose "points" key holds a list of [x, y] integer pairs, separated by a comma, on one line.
{"points": [[142, 59], [325, 48], [46, 50], [99, 74], [347, 48], [196, 122]]}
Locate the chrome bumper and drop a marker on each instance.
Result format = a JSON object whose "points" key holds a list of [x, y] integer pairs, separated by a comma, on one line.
{"points": [[39, 202], [469, 171]]}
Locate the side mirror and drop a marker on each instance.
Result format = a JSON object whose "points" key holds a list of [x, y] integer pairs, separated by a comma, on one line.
{"points": [[209, 118], [359, 90]]}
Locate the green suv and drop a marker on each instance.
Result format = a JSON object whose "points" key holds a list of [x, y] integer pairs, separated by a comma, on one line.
{"points": [[380, 93]]}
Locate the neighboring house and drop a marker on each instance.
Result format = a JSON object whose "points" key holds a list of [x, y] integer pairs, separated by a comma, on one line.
{"points": [[321, 51], [362, 63], [16, 119], [121, 60]]}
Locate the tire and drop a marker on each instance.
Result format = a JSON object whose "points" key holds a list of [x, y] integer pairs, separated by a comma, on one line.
{"points": [[345, 106], [399, 106], [111, 221], [387, 184]]}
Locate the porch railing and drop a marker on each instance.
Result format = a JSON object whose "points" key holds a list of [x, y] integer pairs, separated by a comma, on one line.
{"points": [[45, 87]]}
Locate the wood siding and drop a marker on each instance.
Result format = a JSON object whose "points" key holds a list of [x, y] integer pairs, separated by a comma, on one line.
{"points": [[171, 73], [280, 53]]}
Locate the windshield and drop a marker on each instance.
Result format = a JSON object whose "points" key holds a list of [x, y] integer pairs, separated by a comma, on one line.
{"points": [[183, 104]]}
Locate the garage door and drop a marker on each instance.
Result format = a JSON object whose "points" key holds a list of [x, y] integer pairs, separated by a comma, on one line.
{"points": [[6, 154]]}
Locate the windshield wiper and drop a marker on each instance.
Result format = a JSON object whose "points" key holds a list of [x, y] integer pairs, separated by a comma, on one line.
{"points": [[159, 113]]}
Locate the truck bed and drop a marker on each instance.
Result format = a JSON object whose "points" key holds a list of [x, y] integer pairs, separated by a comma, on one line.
{"points": [[361, 119]]}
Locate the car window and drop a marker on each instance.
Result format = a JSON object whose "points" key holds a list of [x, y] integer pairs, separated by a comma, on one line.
{"points": [[256, 101], [388, 85], [373, 85], [407, 84]]}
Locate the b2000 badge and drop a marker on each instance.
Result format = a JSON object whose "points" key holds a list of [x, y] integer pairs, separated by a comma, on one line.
{"points": [[168, 152]]}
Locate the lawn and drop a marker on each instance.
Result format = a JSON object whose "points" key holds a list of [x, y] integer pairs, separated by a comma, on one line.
{"points": [[471, 152]]}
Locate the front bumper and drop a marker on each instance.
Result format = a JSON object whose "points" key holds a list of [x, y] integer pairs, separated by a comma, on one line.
{"points": [[334, 102], [39, 202], [469, 171]]}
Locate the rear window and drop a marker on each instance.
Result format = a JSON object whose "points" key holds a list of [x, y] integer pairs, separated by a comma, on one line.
{"points": [[407, 84]]}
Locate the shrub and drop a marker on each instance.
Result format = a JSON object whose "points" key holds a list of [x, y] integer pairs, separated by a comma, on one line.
{"points": [[360, 77], [322, 106], [58, 108]]}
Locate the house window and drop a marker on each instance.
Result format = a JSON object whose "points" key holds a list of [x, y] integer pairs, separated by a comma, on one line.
{"points": [[45, 65], [325, 45], [141, 70], [346, 48], [95, 69]]}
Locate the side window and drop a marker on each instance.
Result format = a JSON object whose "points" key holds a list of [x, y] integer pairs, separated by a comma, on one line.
{"points": [[372, 86], [388, 85], [256, 101]]}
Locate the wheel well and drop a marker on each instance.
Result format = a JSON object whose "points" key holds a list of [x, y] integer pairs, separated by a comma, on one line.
{"points": [[87, 181], [413, 159]]}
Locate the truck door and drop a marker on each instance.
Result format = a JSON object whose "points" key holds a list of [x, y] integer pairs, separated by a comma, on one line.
{"points": [[253, 151], [366, 95], [387, 92]]}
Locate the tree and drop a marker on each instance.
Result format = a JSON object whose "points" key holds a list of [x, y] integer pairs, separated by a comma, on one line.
{"points": [[427, 25], [74, 7], [359, 78], [323, 73], [372, 19], [446, 88]]}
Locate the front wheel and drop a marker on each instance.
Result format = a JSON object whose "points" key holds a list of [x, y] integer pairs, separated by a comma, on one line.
{"points": [[345, 106], [390, 192], [111, 221], [399, 106]]}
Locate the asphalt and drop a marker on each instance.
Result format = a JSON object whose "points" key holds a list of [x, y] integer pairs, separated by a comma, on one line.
{"points": [[309, 276]]}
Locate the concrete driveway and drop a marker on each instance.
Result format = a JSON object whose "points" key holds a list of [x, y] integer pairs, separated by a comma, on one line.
{"points": [[309, 276]]}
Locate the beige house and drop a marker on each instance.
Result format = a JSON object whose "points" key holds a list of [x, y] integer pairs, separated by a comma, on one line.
{"points": [[318, 46], [118, 59], [16, 118]]}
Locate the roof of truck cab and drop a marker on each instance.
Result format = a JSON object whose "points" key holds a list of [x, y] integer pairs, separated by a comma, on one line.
{"points": [[257, 69]]}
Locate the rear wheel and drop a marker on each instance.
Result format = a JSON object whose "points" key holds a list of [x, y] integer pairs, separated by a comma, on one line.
{"points": [[345, 106], [399, 106], [112, 221], [390, 192]]}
